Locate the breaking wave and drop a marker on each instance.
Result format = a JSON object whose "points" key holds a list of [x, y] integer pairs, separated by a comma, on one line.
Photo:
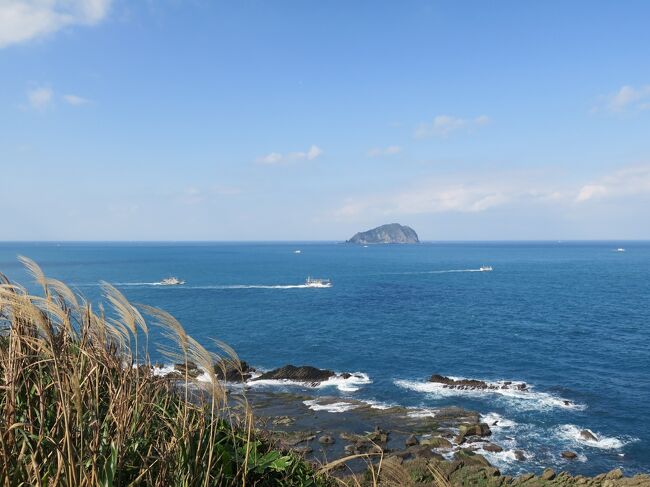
{"points": [[527, 399], [574, 434]]}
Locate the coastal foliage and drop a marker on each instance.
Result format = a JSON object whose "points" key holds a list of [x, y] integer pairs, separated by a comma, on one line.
{"points": [[80, 404]]}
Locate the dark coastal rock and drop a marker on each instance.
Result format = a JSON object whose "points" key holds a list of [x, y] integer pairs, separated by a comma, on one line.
{"points": [[303, 373], [393, 233], [411, 441], [588, 435], [437, 442], [520, 456], [190, 369], [492, 448], [465, 430], [474, 384], [548, 474], [569, 455], [231, 371]]}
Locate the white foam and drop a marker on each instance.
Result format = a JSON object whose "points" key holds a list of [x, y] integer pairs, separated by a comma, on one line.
{"points": [[497, 422], [523, 399], [571, 432], [351, 384], [333, 407]]}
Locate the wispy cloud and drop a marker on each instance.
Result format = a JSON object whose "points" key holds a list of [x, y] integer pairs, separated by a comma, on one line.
{"points": [[75, 100], [625, 182], [391, 150], [194, 195], [40, 98], [24, 20], [463, 194], [445, 125], [626, 98], [277, 158]]}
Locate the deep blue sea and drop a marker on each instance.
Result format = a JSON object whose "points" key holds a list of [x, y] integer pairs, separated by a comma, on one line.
{"points": [[571, 319]]}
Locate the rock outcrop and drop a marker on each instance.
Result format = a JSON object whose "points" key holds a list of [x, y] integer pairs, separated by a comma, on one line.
{"points": [[472, 384], [393, 233], [303, 373]]}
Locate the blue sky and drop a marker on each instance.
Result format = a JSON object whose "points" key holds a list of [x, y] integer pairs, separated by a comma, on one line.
{"points": [[283, 120]]}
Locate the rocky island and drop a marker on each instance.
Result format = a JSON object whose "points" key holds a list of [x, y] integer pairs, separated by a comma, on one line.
{"points": [[392, 233]]}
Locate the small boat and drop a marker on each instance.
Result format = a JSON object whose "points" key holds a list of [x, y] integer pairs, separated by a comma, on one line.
{"points": [[312, 282], [171, 281], [620, 249], [485, 268], [297, 251]]}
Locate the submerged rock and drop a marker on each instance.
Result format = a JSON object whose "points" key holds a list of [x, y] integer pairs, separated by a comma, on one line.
{"points": [[569, 455], [303, 373], [588, 435], [326, 440]]}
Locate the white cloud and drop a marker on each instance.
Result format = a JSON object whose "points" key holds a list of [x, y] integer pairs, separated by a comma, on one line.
{"points": [[627, 97], [40, 98], [386, 151], [277, 158], [75, 100], [625, 182], [444, 125], [24, 20]]}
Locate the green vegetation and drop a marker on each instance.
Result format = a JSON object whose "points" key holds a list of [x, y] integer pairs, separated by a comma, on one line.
{"points": [[81, 406]]}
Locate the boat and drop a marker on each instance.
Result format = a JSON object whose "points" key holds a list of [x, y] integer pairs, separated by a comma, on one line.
{"points": [[171, 281], [620, 249], [297, 251], [312, 282], [485, 268]]}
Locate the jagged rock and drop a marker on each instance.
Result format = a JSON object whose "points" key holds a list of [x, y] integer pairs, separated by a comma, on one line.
{"points": [[614, 474], [411, 441], [548, 474], [588, 435], [303, 373], [465, 430], [392, 233], [473, 384], [569, 455]]}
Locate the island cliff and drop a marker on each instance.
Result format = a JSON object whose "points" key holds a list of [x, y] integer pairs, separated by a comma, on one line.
{"points": [[393, 233]]}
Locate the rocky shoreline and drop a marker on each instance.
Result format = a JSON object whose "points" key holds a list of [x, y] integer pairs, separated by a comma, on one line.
{"points": [[325, 429]]}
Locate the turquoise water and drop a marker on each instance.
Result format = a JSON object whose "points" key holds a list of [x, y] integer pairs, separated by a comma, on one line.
{"points": [[571, 319]]}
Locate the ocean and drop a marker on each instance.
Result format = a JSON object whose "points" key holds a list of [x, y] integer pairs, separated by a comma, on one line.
{"points": [[570, 319]]}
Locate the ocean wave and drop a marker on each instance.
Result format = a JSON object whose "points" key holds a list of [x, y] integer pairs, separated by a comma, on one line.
{"points": [[527, 398], [330, 407], [351, 384], [573, 433]]}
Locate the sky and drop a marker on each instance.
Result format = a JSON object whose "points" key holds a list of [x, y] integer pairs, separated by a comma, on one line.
{"points": [[312, 120]]}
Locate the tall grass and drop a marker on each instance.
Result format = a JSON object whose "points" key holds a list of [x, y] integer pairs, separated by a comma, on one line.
{"points": [[80, 404]]}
